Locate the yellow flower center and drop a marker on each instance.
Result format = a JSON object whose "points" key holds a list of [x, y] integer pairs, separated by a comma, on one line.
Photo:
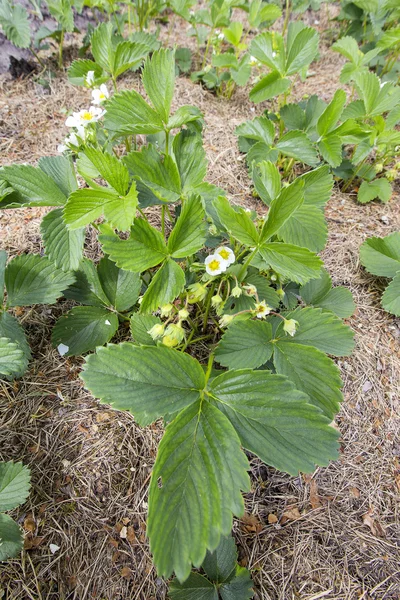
{"points": [[214, 265], [87, 116], [260, 308], [224, 254]]}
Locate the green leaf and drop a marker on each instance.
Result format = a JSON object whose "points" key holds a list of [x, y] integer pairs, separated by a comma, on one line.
{"points": [[140, 325], [196, 587], [195, 487], [306, 228], [86, 205], [282, 208], [10, 328], [391, 296], [84, 328], [165, 286], [330, 148], [274, 420], [159, 174], [111, 169], [11, 539], [122, 288], [296, 144], [225, 60], [267, 181], [218, 565], [260, 129], [245, 344], [381, 256], [189, 234], [87, 288], [12, 358], [241, 74], [347, 46], [378, 188], [377, 98], [321, 329], [128, 55], [63, 246], [269, 49], [14, 21], [269, 86], [129, 114], [237, 222], [33, 279], [190, 159], [145, 247], [318, 185], [331, 115], [302, 51], [183, 116], [78, 70], [319, 293], [311, 372], [240, 587], [14, 485], [159, 81], [150, 382], [101, 45], [297, 264], [61, 170], [36, 188]]}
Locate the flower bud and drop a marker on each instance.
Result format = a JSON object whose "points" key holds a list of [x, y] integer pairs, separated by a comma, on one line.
{"points": [[216, 300], [197, 292], [175, 332], [225, 320], [169, 341], [290, 326], [156, 331], [237, 291], [166, 310], [183, 314], [250, 290]]}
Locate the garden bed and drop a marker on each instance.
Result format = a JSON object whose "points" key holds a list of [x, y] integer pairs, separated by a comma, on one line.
{"points": [[333, 535]]}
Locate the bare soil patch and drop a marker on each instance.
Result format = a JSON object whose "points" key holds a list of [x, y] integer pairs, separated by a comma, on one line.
{"points": [[334, 535]]}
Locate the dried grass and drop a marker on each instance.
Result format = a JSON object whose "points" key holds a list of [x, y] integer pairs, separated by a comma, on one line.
{"points": [[334, 536]]}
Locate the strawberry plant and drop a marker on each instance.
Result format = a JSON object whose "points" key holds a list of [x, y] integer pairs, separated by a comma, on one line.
{"points": [[230, 343], [381, 257], [14, 490], [223, 578]]}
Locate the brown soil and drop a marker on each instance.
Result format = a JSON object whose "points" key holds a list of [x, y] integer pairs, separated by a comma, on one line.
{"points": [[332, 535]]}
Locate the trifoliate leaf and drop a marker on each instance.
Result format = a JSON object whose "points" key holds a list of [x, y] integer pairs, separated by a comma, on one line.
{"points": [[237, 222], [282, 208], [220, 564], [240, 587], [297, 264], [319, 293], [87, 288], [35, 186], [129, 114], [61, 170], [306, 228], [159, 81], [296, 144], [378, 188], [196, 587], [110, 168]]}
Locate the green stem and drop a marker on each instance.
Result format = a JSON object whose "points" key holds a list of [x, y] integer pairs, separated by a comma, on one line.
{"points": [[163, 220], [248, 260], [208, 304], [60, 50], [287, 17], [166, 142], [203, 64], [352, 178], [209, 366]]}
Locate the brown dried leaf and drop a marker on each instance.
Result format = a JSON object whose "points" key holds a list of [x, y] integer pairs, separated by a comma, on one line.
{"points": [[251, 523], [371, 521], [292, 514], [126, 573], [30, 524], [315, 500], [131, 535], [272, 519]]}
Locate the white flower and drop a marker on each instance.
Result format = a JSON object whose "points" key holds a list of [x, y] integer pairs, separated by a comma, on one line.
{"points": [[226, 254], [61, 148], [273, 54], [90, 77], [290, 326], [221, 36], [215, 264], [84, 117], [262, 309], [253, 61], [100, 95]]}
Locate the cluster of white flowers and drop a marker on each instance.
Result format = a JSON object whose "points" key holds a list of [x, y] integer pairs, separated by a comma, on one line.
{"points": [[81, 119], [218, 262]]}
